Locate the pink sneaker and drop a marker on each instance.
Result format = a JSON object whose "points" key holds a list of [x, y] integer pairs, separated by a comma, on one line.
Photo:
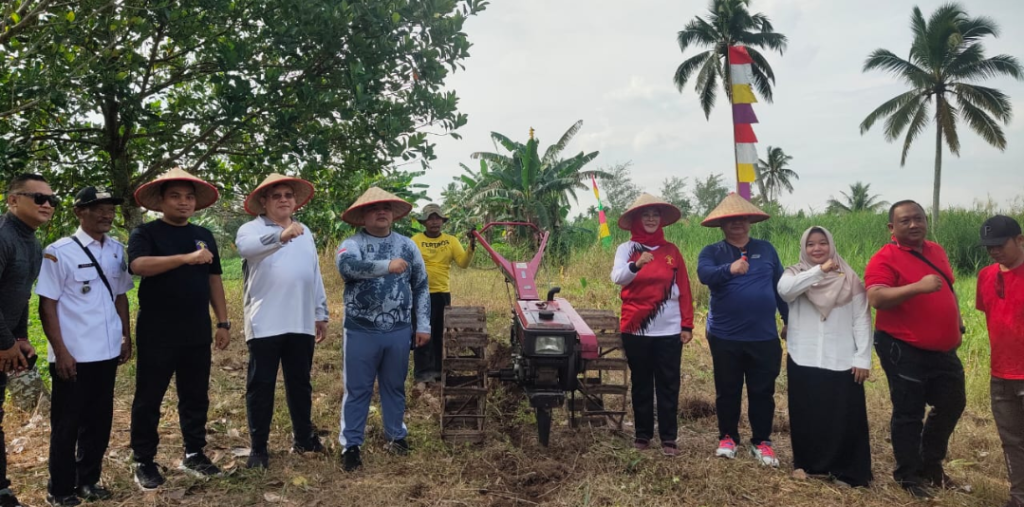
{"points": [[726, 448], [764, 453]]}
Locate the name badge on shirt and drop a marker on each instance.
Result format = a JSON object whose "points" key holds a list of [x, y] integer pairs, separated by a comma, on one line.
{"points": [[89, 265]]}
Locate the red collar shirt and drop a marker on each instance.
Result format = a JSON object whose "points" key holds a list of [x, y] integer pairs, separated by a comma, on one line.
{"points": [[926, 321], [1001, 296]]}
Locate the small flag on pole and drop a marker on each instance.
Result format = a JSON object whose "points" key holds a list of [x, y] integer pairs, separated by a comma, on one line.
{"points": [[603, 233]]}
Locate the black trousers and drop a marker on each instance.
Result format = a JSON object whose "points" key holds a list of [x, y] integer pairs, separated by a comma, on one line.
{"points": [[654, 370], [427, 359], [190, 367], [294, 353], [917, 378], [759, 364], [80, 418], [4, 481]]}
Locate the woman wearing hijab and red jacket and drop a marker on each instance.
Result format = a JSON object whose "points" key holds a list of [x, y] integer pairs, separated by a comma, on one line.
{"points": [[657, 317]]}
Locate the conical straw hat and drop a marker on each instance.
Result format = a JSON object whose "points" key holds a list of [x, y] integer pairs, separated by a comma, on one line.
{"points": [[669, 213], [354, 214], [734, 206], [303, 192], [148, 195]]}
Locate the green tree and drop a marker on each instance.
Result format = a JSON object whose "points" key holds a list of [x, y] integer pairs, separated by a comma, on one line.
{"points": [[774, 175], [673, 190], [859, 199], [729, 23], [524, 185], [617, 189], [117, 92], [946, 55], [708, 193]]}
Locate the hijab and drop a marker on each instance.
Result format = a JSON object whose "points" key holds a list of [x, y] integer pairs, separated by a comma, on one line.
{"points": [[640, 235], [838, 288]]}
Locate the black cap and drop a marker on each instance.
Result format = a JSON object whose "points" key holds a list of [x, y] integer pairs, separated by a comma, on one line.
{"points": [[95, 195], [997, 230]]}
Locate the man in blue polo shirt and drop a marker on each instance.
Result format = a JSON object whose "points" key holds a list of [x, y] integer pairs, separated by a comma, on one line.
{"points": [[742, 274]]}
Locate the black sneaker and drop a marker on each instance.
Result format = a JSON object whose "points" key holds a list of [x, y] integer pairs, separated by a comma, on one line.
{"points": [[936, 477], [7, 498], [258, 459], [199, 465], [93, 493], [313, 446], [147, 475], [917, 490], [398, 447], [62, 501], [350, 459]]}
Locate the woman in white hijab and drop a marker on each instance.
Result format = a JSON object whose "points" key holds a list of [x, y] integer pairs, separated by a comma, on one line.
{"points": [[829, 346]]}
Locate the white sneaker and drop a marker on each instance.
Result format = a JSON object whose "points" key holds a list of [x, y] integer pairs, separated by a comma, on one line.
{"points": [[726, 448], [764, 453]]}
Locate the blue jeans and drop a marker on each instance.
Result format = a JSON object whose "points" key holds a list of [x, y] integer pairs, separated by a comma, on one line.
{"points": [[367, 357]]}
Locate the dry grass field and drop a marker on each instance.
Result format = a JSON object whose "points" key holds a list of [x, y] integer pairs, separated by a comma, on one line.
{"points": [[586, 467]]}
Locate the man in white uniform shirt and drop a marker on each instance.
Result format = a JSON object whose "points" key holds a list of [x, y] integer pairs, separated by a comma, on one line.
{"points": [[285, 311], [84, 312]]}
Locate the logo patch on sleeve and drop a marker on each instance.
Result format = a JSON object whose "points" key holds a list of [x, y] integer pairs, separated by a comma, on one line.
{"points": [[50, 256], [341, 250]]}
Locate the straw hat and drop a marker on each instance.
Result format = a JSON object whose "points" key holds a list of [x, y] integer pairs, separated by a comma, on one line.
{"points": [[148, 195], [734, 206], [373, 195], [669, 213], [303, 192]]}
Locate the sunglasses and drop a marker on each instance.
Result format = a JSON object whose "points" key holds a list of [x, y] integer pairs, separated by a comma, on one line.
{"points": [[40, 198], [1000, 285]]}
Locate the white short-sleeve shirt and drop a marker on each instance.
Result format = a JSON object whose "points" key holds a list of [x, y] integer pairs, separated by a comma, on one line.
{"points": [[88, 319]]}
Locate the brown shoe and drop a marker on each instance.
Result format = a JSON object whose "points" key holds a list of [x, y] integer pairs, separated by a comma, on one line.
{"points": [[669, 449], [641, 444]]}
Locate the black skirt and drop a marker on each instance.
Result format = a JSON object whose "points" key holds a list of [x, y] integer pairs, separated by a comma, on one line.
{"points": [[828, 421]]}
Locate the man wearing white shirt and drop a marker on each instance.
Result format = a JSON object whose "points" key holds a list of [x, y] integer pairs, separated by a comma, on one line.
{"points": [[84, 312], [285, 311]]}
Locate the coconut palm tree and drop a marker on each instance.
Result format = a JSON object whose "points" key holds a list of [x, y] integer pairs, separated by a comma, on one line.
{"points": [[859, 199], [946, 55], [774, 175], [728, 24]]}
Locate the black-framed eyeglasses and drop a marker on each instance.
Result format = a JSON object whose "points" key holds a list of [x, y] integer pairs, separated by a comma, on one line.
{"points": [[40, 198], [1000, 285]]}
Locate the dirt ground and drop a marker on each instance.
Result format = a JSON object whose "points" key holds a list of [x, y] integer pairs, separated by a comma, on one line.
{"points": [[582, 467]]}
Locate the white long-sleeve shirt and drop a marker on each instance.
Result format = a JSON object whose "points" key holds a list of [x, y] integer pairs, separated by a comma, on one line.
{"points": [[284, 292], [841, 342]]}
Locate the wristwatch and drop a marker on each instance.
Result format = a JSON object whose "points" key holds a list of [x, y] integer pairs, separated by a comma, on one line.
{"points": [[224, 325]]}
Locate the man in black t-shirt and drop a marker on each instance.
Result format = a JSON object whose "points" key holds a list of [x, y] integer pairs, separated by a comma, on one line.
{"points": [[181, 279]]}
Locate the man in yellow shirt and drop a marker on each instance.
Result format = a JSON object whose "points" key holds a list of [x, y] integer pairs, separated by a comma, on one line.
{"points": [[438, 250]]}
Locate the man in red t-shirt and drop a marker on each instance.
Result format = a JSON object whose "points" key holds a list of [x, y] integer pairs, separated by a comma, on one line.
{"points": [[917, 331], [1001, 296]]}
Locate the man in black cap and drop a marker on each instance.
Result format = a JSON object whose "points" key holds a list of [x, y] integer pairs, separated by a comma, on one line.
{"points": [[30, 204], [84, 312], [1000, 295]]}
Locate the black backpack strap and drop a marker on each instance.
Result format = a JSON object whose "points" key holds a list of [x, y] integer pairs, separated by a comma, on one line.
{"points": [[97, 265], [941, 273], [949, 283]]}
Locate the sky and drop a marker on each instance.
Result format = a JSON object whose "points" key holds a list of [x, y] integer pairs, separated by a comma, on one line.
{"points": [[548, 63]]}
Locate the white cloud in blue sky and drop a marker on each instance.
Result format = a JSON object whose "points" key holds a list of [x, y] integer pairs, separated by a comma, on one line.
{"points": [[547, 63]]}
